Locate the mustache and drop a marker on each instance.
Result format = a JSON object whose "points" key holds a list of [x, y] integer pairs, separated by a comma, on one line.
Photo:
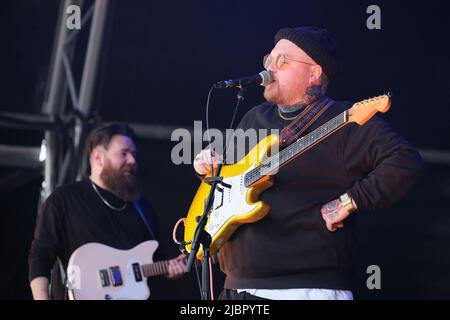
{"points": [[132, 169]]}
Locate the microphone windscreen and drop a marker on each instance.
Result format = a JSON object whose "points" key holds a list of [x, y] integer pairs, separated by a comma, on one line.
{"points": [[266, 77]]}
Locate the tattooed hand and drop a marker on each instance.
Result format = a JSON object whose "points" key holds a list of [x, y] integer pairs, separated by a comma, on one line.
{"points": [[333, 213]]}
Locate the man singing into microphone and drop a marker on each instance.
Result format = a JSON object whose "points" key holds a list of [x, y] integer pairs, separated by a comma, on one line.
{"points": [[305, 247]]}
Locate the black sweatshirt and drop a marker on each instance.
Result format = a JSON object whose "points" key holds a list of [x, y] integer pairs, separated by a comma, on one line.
{"points": [[291, 247], [74, 215]]}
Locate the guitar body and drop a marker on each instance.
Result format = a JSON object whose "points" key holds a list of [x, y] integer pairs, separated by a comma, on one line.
{"points": [[91, 263], [233, 205]]}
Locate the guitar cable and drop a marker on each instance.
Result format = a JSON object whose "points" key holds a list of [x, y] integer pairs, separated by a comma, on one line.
{"points": [[174, 232], [182, 245]]}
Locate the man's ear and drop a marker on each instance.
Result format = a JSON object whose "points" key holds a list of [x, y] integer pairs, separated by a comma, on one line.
{"points": [[98, 157], [315, 73]]}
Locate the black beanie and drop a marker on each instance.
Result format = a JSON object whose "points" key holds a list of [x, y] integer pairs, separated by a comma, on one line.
{"points": [[317, 43]]}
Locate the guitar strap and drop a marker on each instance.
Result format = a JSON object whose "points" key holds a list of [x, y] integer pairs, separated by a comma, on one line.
{"points": [[144, 219], [299, 125]]}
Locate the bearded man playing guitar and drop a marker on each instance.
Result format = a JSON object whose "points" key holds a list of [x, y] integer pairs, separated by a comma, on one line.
{"points": [[95, 223]]}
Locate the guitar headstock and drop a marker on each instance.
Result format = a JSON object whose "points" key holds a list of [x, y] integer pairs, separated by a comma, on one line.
{"points": [[363, 110]]}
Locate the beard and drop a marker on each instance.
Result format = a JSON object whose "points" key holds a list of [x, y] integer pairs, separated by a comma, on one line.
{"points": [[121, 182], [276, 95]]}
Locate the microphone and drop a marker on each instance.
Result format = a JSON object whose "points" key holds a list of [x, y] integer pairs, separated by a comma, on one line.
{"points": [[263, 78]]}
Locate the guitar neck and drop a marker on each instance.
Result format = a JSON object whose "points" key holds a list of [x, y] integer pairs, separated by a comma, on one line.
{"points": [[155, 269], [275, 162], [162, 267]]}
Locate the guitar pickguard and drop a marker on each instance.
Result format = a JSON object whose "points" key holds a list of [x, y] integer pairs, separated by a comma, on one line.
{"points": [[229, 202]]}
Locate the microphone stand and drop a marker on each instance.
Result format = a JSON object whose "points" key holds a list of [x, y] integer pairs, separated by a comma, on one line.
{"points": [[201, 236]]}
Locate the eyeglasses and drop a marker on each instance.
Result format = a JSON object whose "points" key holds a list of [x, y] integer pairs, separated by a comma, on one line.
{"points": [[280, 60]]}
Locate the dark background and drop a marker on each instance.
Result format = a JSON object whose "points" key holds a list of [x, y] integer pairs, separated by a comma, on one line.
{"points": [[157, 65]]}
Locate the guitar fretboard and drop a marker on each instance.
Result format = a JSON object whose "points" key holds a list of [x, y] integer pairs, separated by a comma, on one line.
{"points": [[155, 269], [274, 162]]}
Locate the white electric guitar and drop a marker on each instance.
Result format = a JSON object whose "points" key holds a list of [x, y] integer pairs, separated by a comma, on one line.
{"points": [[99, 272]]}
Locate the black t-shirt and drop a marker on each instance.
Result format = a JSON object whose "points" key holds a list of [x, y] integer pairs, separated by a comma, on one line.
{"points": [[74, 215]]}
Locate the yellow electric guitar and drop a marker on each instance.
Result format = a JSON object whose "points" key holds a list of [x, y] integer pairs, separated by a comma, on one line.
{"points": [[236, 200]]}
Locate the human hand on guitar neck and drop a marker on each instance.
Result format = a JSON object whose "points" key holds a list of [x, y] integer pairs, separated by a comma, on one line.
{"points": [[176, 267]]}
